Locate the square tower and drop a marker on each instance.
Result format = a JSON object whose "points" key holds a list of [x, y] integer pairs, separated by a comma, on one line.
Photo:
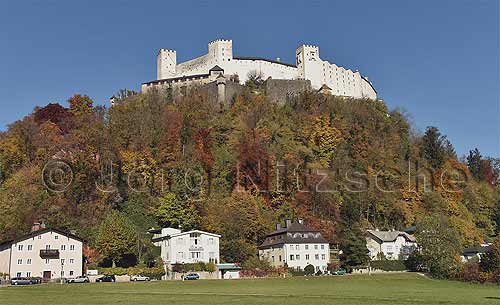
{"points": [[221, 50], [309, 65], [165, 64]]}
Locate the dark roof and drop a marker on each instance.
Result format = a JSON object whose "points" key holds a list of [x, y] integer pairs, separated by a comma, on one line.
{"points": [[41, 231], [476, 250], [216, 68], [280, 236], [264, 59], [177, 78]]}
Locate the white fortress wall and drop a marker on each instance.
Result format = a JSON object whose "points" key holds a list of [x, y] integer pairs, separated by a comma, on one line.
{"points": [[266, 68]]}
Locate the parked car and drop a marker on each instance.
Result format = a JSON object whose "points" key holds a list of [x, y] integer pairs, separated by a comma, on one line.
{"points": [[20, 281], [79, 279], [35, 280], [106, 278], [139, 278], [192, 276], [339, 272]]}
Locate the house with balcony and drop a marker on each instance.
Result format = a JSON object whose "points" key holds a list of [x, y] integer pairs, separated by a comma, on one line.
{"points": [[47, 253], [187, 247], [390, 245], [295, 246]]}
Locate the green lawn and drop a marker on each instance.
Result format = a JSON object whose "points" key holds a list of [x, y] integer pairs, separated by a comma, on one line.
{"points": [[392, 289]]}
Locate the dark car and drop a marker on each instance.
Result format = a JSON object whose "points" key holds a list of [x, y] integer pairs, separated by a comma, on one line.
{"points": [[106, 278], [192, 276], [20, 281]]}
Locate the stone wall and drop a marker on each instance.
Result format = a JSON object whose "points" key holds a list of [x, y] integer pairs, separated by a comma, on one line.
{"points": [[278, 90]]}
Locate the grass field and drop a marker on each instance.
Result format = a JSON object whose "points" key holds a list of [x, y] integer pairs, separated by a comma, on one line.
{"points": [[393, 289]]}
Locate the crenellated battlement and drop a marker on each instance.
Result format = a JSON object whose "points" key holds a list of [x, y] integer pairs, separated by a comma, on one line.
{"points": [[220, 40], [167, 50]]}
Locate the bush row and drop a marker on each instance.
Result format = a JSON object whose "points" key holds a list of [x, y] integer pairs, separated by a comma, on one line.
{"points": [[156, 272], [389, 265]]}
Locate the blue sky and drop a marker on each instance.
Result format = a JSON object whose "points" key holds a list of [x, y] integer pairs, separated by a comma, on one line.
{"points": [[438, 60]]}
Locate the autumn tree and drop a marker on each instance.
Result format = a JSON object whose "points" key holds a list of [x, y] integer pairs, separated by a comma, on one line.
{"points": [[116, 237], [80, 104]]}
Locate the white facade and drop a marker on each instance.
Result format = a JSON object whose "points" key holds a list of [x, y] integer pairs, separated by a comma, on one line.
{"points": [[48, 253], [309, 66], [392, 244], [295, 246], [187, 247]]}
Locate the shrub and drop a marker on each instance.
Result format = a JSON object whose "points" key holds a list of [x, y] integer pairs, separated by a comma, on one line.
{"points": [[309, 269], [389, 265]]}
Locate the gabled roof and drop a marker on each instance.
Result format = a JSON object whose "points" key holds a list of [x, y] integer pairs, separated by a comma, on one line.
{"points": [[281, 236], [389, 236], [183, 233], [41, 231], [476, 250], [216, 68]]}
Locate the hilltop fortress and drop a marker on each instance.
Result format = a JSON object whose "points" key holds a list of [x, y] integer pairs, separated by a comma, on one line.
{"points": [[219, 64]]}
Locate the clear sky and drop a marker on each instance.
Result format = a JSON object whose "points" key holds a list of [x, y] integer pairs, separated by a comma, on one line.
{"points": [[438, 60]]}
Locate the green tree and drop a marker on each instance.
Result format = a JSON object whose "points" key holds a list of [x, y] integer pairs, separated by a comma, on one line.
{"points": [[116, 237], [490, 261], [436, 148], [354, 250], [440, 245], [474, 163], [176, 213], [309, 269]]}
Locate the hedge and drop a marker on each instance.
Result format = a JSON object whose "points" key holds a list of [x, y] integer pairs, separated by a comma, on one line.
{"points": [[389, 265], [156, 272]]}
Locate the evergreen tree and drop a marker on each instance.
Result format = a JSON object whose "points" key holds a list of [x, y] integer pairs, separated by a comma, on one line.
{"points": [[436, 148], [354, 250], [474, 163]]}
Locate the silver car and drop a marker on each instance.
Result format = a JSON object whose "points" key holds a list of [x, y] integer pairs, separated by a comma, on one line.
{"points": [[79, 279], [20, 281]]}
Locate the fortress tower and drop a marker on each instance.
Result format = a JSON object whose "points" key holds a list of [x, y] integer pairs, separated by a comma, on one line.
{"points": [[166, 62], [221, 50], [309, 65]]}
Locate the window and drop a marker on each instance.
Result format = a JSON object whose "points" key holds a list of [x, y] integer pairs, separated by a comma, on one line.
{"points": [[20, 247], [47, 261], [56, 236], [210, 241], [39, 236], [315, 247], [297, 247], [71, 260], [19, 261], [307, 247], [291, 257], [62, 272], [28, 261], [323, 257], [297, 257], [30, 247], [72, 247], [62, 261], [272, 258], [322, 247], [316, 256], [47, 247], [28, 274], [71, 272], [307, 256], [63, 247], [280, 258], [18, 274]]}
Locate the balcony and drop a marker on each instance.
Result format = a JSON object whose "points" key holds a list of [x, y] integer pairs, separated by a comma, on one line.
{"points": [[195, 248], [49, 254]]}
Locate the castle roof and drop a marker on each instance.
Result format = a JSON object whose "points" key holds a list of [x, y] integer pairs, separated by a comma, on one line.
{"points": [[216, 68], [264, 59]]}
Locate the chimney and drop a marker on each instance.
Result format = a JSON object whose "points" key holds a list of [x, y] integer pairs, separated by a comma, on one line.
{"points": [[42, 225], [278, 226], [288, 222], [35, 227], [300, 220]]}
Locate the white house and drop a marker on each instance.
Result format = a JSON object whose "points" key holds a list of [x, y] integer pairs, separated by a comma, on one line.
{"points": [[45, 253], [392, 244], [186, 247], [295, 246]]}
